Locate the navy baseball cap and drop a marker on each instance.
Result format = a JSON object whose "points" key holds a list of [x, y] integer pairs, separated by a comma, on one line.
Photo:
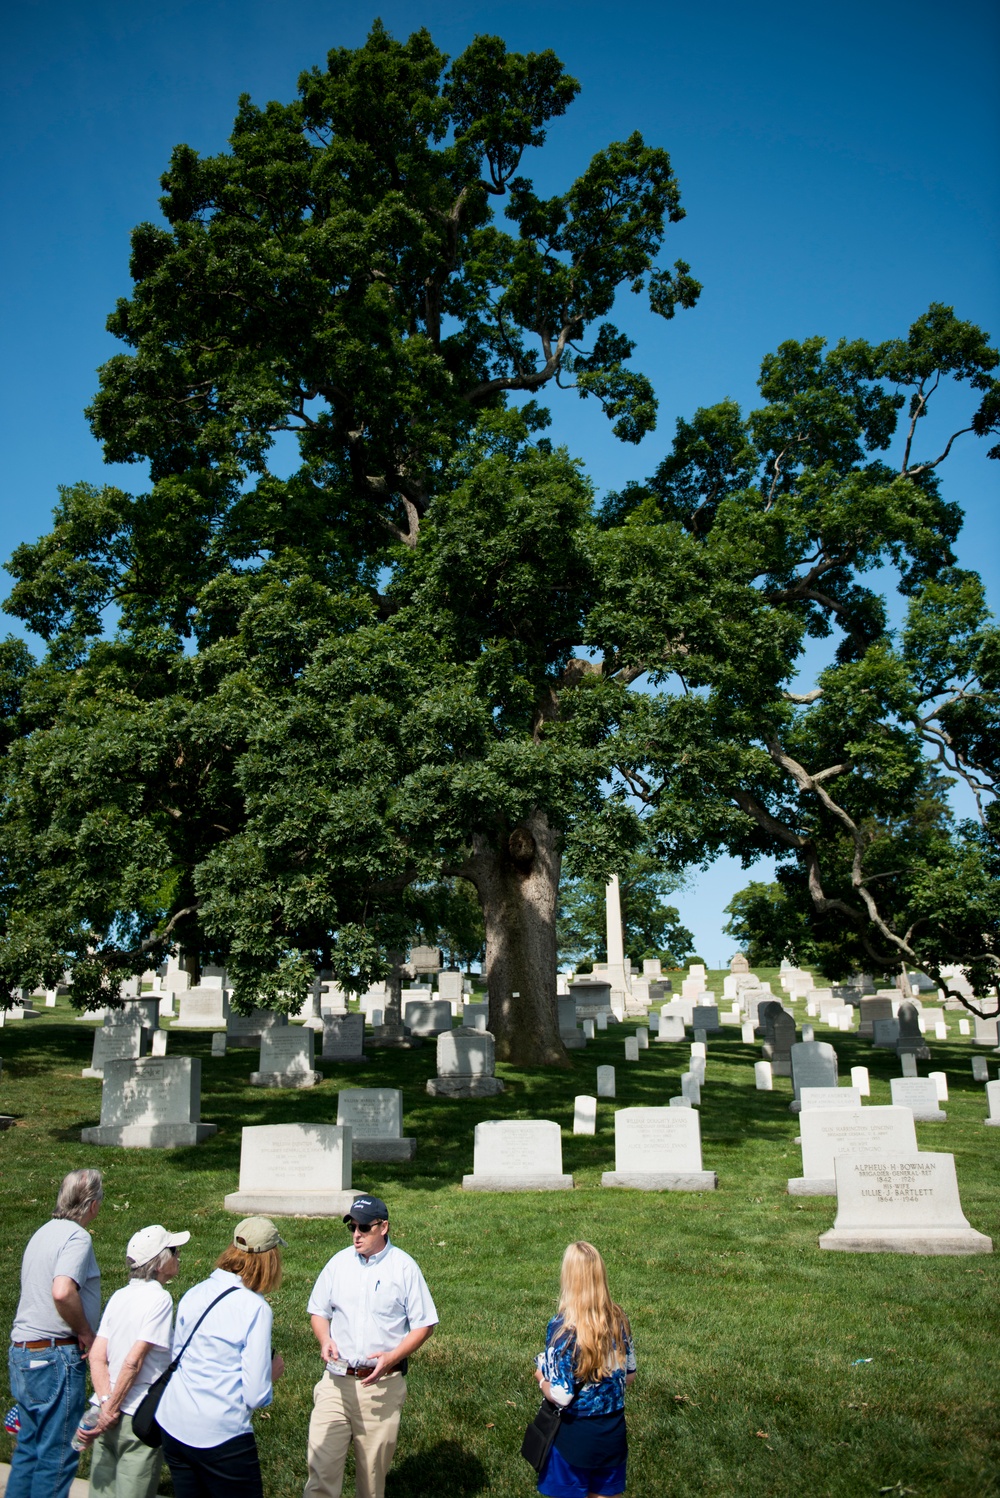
{"points": [[368, 1209]]}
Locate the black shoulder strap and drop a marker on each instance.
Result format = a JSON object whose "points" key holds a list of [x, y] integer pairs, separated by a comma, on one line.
{"points": [[215, 1302]]}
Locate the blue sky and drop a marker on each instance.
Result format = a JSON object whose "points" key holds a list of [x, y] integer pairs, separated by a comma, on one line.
{"points": [[839, 166]]}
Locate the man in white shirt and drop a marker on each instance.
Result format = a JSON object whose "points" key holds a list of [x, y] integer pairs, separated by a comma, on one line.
{"points": [[370, 1310]]}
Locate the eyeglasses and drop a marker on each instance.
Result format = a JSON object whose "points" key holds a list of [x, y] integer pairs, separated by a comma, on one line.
{"points": [[362, 1227]]}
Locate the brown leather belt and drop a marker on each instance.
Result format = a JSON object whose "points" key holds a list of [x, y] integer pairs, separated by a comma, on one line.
{"points": [[47, 1342]]}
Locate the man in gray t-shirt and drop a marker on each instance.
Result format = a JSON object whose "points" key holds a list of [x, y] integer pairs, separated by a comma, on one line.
{"points": [[57, 1314]]}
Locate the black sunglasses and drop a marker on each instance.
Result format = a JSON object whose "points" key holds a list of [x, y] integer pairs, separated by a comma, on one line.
{"points": [[360, 1227]]}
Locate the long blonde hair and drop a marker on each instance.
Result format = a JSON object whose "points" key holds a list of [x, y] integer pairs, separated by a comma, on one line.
{"points": [[599, 1327]]}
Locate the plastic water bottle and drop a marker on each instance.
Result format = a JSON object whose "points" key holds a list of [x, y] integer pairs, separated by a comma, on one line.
{"points": [[88, 1422]]}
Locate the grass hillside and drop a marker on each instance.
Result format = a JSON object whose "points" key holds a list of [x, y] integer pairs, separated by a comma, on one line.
{"points": [[767, 1368]]}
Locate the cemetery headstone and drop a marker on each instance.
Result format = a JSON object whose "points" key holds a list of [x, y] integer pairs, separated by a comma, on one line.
{"points": [[203, 1009], [860, 1080], [588, 1029], [601, 1021], [374, 1116], [158, 1043], [919, 1094], [813, 1064], [907, 1205], [827, 1133], [964, 1027], [570, 1034], [658, 1149], [705, 1017], [908, 1064], [980, 1069], [871, 1010], [631, 1048], [244, 1031], [830, 1097], [986, 1031], [584, 1114], [296, 1169], [642, 1037], [885, 1034], [680, 1102], [115, 1043], [466, 1062], [993, 1099], [476, 1016], [746, 1032], [911, 1042], [671, 1027], [449, 986], [152, 1103], [219, 1043], [763, 1076], [517, 1155], [691, 1088], [428, 1016], [605, 1081], [343, 1037], [780, 1033], [940, 1080], [287, 1058]]}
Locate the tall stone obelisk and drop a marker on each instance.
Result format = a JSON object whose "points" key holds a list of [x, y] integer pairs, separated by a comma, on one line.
{"points": [[617, 975]]}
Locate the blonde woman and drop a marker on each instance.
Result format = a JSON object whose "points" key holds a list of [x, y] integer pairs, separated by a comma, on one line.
{"points": [[226, 1372], [587, 1363]]}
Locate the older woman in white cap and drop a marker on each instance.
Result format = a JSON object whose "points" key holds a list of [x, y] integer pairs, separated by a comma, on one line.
{"points": [[131, 1349], [226, 1371]]}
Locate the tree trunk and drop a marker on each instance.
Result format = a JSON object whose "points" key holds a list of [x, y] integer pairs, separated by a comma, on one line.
{"points": [[518, 886]]}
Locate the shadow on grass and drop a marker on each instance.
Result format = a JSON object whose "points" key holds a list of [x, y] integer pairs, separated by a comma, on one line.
{"points": [[444, 1468]]}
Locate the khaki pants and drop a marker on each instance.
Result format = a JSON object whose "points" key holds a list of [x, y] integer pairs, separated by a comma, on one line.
{"points": [[343, 1412], [121, 1466]]}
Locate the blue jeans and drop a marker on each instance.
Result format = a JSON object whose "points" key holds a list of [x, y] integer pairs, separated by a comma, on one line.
{"points": [[49, 1385]]}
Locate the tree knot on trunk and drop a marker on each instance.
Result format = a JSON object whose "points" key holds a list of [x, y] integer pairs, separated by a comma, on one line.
{"points": [[521, 849]]}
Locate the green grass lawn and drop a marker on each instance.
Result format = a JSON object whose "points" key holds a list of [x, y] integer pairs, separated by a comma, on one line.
{"points": [[766, 1367]]}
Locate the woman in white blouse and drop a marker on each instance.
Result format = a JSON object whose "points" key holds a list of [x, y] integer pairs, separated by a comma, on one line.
{"points": [[226, 1372], [131, 1349]]}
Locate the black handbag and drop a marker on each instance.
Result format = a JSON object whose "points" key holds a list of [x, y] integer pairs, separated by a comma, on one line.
{"points": [[144, 1424], [540, 1435]]}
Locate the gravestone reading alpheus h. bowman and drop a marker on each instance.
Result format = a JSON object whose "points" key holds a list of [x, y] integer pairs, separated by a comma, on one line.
{"points": [[902, 1206], [153, 1103], [517, 1155], [659, 1149], [827, 1133], [466, 1060], [374, 1116], [288, 1170], [287, 1058]]}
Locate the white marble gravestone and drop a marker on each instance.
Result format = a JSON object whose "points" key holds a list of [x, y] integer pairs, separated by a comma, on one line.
{"points": [[642, 1037], [466, 1062], [115, 1043], [449, 986], [659, 1149], [908, 1064], [763, 1077], [829, 1132], [940, 1080], [631, 1048], [298, 1169], [964, 1027], [980, 1069], [671, 1027], [584, 1114], [219, 1043], [993, 1099], [476, 1016], [601, 1021], [153, 1103], [343, 1037], [517, 1155], [985, 1031], [605, 1081], [588, 1029], [904, 1206], [885, 1034], [427, 1016], [158, 1042], [860, 1080], [203, 1009], [746, 1032], [691, 1088], [680, 1102], [830, 1097], [287, 1058], [814, 1064], [696, 1066], [919, 1094], [245, 1030], [375, 1118]]}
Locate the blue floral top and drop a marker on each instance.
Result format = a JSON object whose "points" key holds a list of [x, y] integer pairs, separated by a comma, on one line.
{"points": [[606, 1396]]}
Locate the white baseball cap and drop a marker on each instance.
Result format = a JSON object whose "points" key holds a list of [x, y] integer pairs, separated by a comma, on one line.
{"points": [[148, 1242]]}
